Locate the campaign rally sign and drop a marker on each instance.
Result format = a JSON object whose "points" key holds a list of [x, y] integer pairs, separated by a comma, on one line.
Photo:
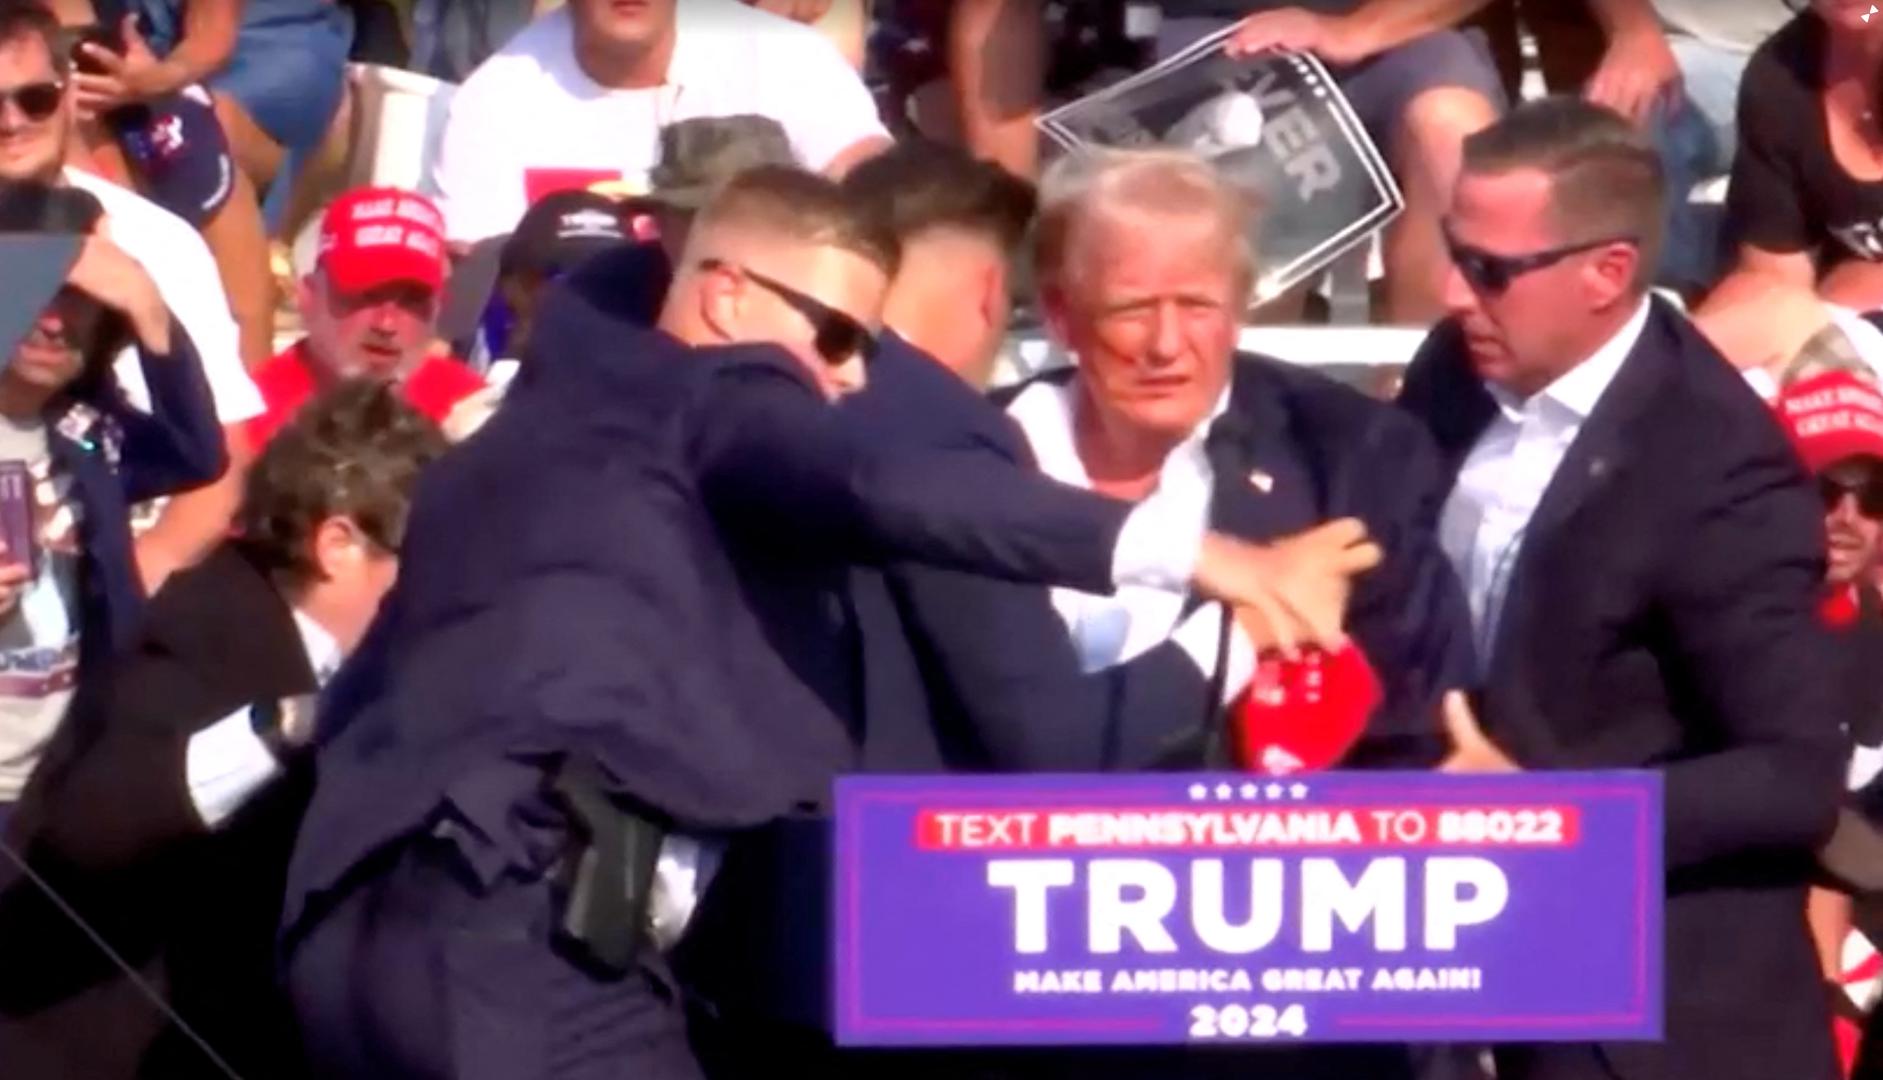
{"points": [[1276, 124], [1164, 908]]}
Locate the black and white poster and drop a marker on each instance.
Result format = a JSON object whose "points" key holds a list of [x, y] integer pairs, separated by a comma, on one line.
{"points": [[1276, 124]]}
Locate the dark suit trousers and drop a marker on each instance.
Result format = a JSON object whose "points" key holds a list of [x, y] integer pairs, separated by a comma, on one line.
{"points": [[419, 972]]}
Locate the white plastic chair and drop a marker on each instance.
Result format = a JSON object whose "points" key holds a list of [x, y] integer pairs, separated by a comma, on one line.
{"points": [[401, 122]]}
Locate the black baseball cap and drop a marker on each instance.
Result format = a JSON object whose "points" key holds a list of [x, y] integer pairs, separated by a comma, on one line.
{"points": [[563, 230], [559, 232]]}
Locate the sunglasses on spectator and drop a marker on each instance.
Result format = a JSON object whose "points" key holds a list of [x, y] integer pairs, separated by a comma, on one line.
{"points": [[36, 101], [1492, 274], [1867, 490], [839, 336]]}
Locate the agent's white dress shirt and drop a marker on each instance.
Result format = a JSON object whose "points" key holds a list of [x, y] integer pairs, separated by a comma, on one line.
{"points": [[1510, 467]]}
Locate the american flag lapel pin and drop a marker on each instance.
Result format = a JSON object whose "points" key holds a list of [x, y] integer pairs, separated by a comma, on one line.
{"points": [[1261, 480]]}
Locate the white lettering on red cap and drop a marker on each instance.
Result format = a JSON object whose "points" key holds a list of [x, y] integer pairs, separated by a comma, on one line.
{"points": [[1839, 420], [371, 208], [378, 235], [1800, 404], [421, 212]]}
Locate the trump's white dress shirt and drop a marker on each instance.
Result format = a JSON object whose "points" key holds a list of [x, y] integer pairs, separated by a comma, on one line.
{"points": [[1113, 629]]}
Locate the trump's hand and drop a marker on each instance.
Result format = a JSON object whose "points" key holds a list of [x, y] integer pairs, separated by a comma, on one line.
{"points": [[1289, 593], [1472, 751]]}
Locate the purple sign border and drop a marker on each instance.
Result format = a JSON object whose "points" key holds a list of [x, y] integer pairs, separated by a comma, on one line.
{"points": [[1411, 788]]}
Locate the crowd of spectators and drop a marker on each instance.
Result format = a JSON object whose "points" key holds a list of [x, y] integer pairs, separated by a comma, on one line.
{"points": [[694, 328]]}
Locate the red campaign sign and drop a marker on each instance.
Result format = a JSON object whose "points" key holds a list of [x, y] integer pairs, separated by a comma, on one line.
{"points": [[1194, 828]]}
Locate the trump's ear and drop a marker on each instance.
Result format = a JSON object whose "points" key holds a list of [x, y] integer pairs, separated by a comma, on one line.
{"points": [[1055, 313]]}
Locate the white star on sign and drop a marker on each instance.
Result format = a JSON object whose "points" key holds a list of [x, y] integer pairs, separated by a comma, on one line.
{"points": [[1274, 791], [1250, 791], [1299, 791], [1224, 791], [1198, 791]]}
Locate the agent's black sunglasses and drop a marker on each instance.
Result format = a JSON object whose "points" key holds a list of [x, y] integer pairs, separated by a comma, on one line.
{"points": [[1492, 274], [839, 336]]}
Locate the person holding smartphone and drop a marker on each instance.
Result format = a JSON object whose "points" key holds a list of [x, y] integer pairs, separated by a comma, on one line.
{"points": [[73, 299], [276, 68]]}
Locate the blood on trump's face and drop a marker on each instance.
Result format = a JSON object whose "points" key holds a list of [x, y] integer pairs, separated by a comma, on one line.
{"points": [[1150, 304]]}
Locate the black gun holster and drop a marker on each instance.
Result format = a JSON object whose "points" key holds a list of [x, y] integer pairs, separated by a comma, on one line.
{"points": [[608, 875]]}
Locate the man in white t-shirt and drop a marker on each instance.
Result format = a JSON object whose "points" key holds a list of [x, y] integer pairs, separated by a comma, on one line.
{"points": [[579, 97], [34, 144]]}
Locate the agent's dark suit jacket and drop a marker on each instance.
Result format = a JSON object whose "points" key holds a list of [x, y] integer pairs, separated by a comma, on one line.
{"points": [[1661, 614], [111, 825], [565, 589]]}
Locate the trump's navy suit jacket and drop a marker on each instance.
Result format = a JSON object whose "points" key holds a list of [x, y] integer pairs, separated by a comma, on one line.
{"points": [[1661, 614], [1294, 449]]}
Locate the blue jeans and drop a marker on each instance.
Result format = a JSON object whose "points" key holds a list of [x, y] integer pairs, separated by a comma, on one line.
{"points": [[288, 72], [289, 65], [1696, 139]]}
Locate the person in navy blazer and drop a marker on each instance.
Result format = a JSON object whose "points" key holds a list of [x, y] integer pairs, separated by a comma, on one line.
{"points": [[166, 806], [1651, 604], [569, 593], [116, 455], [69, 288]]}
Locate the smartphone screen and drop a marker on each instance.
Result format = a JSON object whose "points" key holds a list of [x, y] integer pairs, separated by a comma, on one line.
{"points": [[16, 514], [109, 37]]}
